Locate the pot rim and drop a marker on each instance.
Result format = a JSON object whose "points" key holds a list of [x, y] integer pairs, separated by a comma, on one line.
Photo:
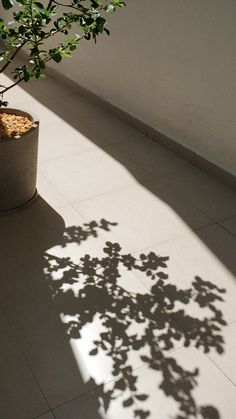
{"points": [[29, 114]]}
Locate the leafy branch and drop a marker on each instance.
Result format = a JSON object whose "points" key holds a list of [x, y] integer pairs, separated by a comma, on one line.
{"points": [[32, 23]]}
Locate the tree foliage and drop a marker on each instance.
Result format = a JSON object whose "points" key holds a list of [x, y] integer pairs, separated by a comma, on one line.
{"points": [[33, 22]]}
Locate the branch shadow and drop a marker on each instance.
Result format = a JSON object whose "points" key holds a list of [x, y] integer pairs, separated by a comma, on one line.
{"points": [[90, 289], [27, 304], [83, 119], [79, 292], [55, 298]]}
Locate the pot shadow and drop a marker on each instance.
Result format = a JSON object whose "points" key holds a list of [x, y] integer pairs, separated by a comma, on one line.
{"points": [[78, 292], [26, 301], [49, 299]]}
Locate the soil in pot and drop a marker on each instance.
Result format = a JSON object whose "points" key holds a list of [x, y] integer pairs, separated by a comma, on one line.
{"points": [[12, 126]]}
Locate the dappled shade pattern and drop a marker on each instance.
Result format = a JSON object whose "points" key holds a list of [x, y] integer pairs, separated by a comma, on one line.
{"points": [[160, 316]]}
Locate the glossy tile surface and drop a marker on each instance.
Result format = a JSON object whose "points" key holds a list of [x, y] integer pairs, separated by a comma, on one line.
{"points": [[118, 285], [21, 395], [46, 416], [157, 215], [229, 224]]}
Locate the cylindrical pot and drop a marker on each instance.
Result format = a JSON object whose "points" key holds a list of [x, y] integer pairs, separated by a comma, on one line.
{"points": [[18, 167]]}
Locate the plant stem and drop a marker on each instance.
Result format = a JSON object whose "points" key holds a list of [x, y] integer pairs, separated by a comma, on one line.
{"points": [[49, 4], [49, 58], [12, 57], [64, 5], [56, 31], [10, 87]]}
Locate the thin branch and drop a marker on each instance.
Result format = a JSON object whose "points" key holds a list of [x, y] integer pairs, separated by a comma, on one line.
{"points": [[56, 31], [49, 4], [12, 85], [65, 5], [49, 58], [12, 57]]}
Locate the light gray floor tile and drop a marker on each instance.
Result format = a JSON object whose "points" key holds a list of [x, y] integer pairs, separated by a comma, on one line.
{"points": [[143, 217], [111, 130], [230, 225], [40, 229], [138, 194], [36, 323], [60, 141], [103, 127], [17, 97], [189, 261], [46, 416], [49, 88], [226, 360], [83, 176], [154, 158], [21, 396], [67, 368], [184, 383], [42, 110], [25, 236], [48, 191], [78, 110], [205, 193], [57, 314], [91, 407], [188, 384]]}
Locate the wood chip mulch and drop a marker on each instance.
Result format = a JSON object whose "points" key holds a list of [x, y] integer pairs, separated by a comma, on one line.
{"points": [[13, 125]]}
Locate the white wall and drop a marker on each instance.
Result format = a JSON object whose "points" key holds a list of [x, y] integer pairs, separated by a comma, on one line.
{"points": [[171, 64]]}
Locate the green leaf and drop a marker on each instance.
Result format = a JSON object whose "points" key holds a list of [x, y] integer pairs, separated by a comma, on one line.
{"points": [[57, 57], [3, 103], [110, 8], [39, 5], [66, 54], [7, 4]]}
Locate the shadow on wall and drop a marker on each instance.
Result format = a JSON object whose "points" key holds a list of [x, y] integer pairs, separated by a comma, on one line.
{"points": [[90, 289]]}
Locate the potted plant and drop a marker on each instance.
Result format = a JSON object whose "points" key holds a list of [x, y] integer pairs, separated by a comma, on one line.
{"points": [[31, 24]]}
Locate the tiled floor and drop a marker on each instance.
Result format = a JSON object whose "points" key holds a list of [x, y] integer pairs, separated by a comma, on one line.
{"points": [[142, 329]]}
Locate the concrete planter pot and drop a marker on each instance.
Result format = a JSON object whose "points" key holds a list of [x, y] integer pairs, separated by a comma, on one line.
{"points": [[18, 167]]}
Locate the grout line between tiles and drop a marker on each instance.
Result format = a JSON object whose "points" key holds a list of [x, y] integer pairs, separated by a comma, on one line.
{"points": [[49, 411], [86, 393], [52, 160], [92, 391], [193, 340], [147, 178], [78, 153], [220, 369], [131, 184], [26, 360], [226, 218], [225, 229], [100, 195], [186, 233]]}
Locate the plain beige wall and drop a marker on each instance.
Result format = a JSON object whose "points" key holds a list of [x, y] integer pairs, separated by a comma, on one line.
{"points": [[171, 64]]}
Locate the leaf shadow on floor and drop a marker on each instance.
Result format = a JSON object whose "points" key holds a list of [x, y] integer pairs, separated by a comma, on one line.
{"points": [[89, 290]]}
